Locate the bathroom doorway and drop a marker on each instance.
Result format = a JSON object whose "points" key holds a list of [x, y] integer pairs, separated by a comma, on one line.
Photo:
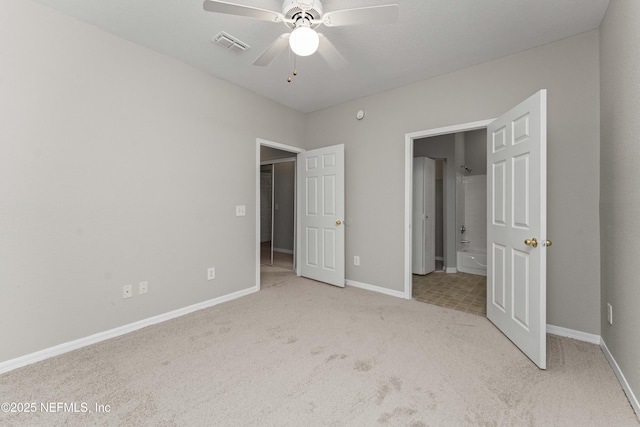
{"points": [[461, 160]]}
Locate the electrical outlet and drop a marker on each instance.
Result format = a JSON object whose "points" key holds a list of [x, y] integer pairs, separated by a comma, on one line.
{"points": [[127, 291], [143, 287], [211, 273], [241, 210], [609, 314], [356, 260]]}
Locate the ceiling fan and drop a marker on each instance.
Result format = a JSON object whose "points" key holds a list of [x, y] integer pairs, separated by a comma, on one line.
{"points": [[303, 17]]}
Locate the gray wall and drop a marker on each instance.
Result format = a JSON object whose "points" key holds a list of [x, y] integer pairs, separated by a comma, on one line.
{"points": [[620, 183], [475, 151], [117, 165], [461, 208], [569, 69], [266, 201], [270, 153], [439, 217]]}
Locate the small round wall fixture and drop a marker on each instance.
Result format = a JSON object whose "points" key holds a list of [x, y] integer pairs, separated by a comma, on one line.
{"points": [[360, 114]]}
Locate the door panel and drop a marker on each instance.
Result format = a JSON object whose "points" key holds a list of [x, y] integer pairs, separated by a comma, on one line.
{"points": [[311, 184], [329, 245], [424, 216], [517, 204], [329, 196], [521, 193], [498, 283], [499, 184], [312, 247], [520, 288], [322, 215]]}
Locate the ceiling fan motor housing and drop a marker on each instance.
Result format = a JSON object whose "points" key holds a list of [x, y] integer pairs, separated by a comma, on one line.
{"points": [[293, 9]]}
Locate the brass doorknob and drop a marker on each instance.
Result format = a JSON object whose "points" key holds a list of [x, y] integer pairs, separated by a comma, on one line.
{"points": [[338, 222], [531, 242], [548, 242]]}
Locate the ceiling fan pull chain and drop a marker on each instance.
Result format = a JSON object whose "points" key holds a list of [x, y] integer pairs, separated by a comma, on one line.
{"points": [[289, 77], [295, 69]]}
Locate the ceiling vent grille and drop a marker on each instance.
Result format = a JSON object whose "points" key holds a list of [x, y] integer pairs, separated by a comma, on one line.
{"points": [[230, 43]]}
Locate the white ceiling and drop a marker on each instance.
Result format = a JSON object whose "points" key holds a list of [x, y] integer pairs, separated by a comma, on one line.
{"points": [[431, 37]]}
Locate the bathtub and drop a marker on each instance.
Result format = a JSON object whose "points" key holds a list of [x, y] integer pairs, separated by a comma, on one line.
{"points": [[473, 261]]}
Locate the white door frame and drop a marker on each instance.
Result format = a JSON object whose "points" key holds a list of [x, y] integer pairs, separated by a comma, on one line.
{"points": [[408, 184], [284, 147]]}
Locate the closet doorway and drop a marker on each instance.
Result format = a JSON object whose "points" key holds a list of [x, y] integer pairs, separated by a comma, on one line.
{"points": [[277, 207]]}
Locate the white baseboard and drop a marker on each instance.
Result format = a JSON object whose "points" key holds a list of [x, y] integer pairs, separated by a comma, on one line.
{"points": [[374, 288], [570, 333], [452, 270], [284, 251], [28, 359], [623, 381]]}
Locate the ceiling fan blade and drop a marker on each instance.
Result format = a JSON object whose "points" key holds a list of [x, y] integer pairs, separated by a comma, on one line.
{"points": [[272, 51], [330, 54], [240, 10], [386, 14]]}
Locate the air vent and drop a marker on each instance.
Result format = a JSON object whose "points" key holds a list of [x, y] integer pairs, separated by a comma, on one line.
{"points": [[230, 43]]}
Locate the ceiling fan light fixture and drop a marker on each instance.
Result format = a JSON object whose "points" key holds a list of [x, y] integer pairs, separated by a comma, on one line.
{"points": [[304, 41]]}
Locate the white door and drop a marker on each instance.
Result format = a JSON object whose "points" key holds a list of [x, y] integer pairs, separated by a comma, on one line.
{"points": [[321, 198], [424, 216], [517, 225]]}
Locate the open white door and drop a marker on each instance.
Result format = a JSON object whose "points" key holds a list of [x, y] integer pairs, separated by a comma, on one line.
{"points": [[424, 216], [321, 207], [517, 225]]}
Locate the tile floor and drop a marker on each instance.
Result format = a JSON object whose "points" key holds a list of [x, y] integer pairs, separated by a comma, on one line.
{"points": [[459, 291]]}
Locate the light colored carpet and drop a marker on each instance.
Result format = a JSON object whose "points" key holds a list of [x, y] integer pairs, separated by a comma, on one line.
{"points": [[302, 353]]}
